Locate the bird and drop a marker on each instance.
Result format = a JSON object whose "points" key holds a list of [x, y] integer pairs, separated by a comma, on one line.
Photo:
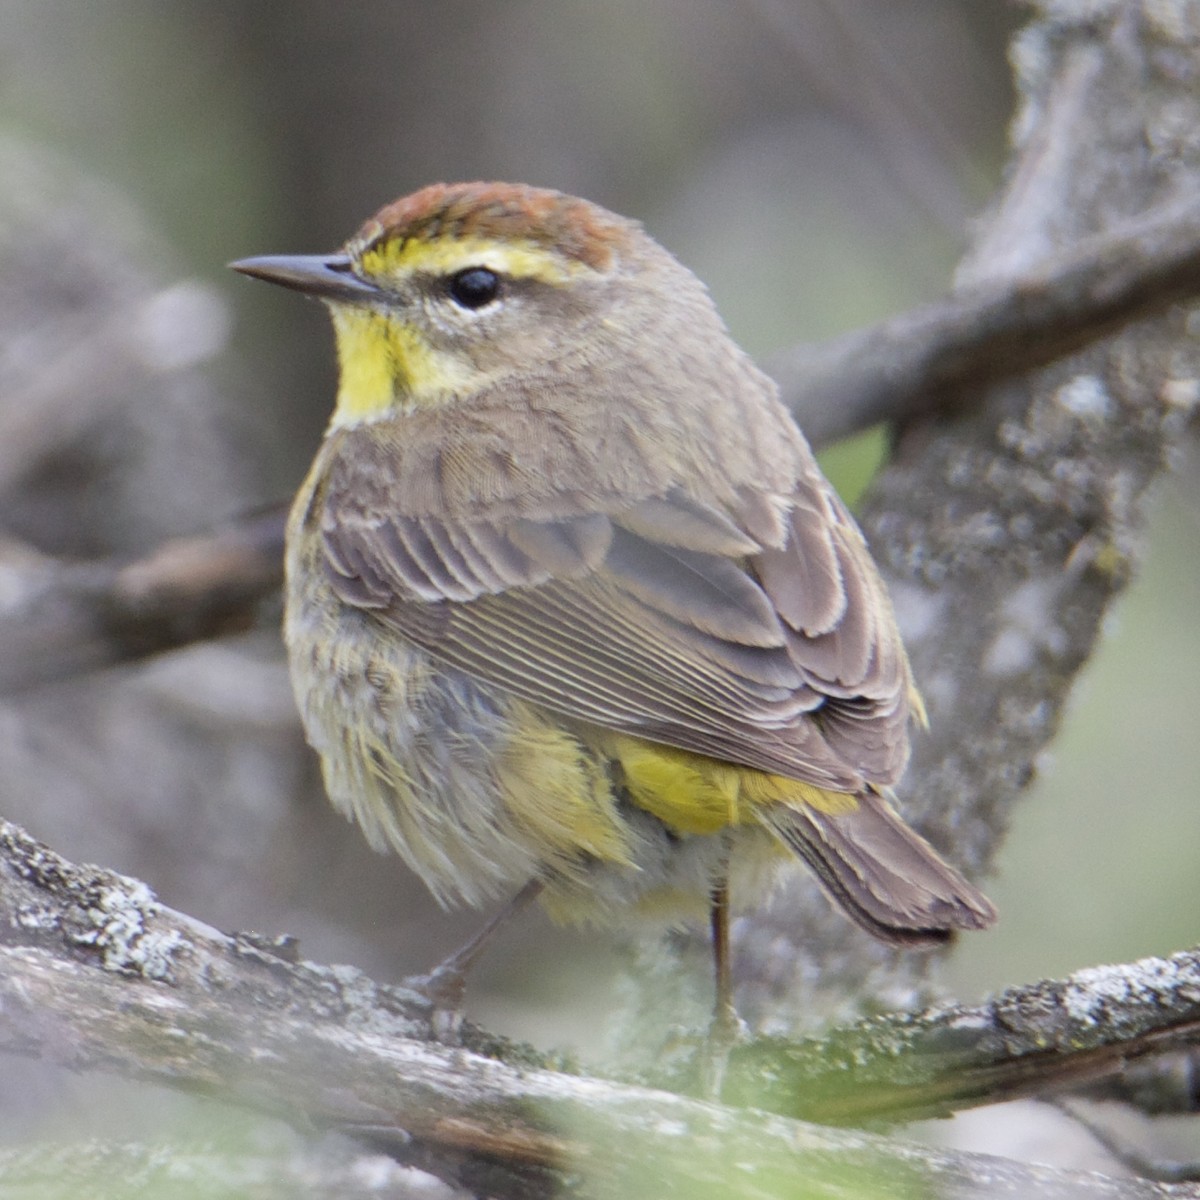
{"points": [[571, 611]]}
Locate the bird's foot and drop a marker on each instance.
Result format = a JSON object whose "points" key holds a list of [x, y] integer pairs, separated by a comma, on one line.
{"points": [[444, 988], [727, 1031]]}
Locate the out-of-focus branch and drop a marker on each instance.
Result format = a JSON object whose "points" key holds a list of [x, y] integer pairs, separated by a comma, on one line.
{"points": [[1167, 1084], [109, 349], [96, 974], [270, 1168], [1026, 1041], [59, 618], [1124, 1150], [940, 355]]}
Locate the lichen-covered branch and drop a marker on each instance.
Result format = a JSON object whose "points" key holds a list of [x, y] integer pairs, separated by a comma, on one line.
{"points": [[95, 974], [1028, 1040], [1006, 531]]}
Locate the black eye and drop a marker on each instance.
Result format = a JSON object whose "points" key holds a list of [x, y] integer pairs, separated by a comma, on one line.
{"points": [[474, 287]]}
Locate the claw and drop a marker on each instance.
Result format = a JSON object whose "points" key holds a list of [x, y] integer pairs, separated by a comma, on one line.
{"points": [[445, 986]]}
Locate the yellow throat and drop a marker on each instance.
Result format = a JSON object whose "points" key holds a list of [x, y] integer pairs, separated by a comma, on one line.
{"points": [[386, 362]]}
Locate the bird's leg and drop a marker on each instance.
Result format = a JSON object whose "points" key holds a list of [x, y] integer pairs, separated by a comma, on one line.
{"points": [[445, 984], [727, 1028], [724, 1014]]}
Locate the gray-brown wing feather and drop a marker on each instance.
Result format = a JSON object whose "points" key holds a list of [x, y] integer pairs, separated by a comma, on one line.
{"points": [[881, 873], [840, 631], [658, 619]]}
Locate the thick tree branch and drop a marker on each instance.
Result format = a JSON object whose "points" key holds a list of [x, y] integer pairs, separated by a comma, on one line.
{"points": [[96, 974], [1007, 527]]}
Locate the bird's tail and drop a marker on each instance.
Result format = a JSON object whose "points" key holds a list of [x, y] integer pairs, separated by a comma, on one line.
{"points": [[882, 874]]}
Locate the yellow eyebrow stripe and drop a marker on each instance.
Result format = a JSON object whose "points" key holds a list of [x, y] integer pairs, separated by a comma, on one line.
{"points": [[516, 259]]}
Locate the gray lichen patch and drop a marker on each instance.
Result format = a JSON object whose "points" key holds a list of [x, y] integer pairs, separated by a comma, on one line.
{"points": [[118, 925], [1085, 396], [109, 914], [1027, 627], [1126, 998]]}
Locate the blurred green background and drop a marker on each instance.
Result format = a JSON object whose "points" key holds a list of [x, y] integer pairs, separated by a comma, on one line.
{"points": [[817, 163]]}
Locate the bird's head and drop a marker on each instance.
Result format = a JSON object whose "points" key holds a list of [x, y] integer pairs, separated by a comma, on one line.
{"points": [[447, 292]]}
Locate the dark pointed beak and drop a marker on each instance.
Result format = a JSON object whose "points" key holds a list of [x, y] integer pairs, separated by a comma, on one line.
{"points": [[328, 276]]}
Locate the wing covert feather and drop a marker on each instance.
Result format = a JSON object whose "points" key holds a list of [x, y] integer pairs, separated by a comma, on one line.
{"points": [[754, 636]]}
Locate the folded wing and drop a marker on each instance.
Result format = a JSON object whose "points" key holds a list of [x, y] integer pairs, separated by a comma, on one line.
{"points": [[760, 635]]}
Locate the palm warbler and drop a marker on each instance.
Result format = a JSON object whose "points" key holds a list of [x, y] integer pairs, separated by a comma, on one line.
{"points": [[570, 607]]}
